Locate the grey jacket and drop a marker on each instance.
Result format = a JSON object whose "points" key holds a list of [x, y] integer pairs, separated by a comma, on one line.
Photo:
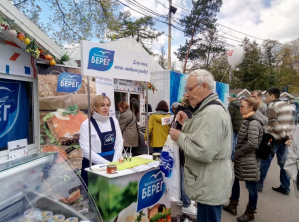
{"points": [[247, 167], [206, 140], [263, 108]]}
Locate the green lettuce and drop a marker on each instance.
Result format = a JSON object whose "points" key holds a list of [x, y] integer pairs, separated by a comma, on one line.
{"points": [[49, 115], [49, 134]]}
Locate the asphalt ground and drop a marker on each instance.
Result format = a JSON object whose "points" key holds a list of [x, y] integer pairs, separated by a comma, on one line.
{"points": [[271, 206]]}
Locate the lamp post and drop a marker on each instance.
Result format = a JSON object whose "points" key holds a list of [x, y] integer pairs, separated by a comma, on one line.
{"points": [[172, 10], [286, 88]]}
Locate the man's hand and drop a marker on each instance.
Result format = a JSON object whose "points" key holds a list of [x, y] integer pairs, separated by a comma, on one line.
{"points": [[181, 117], [145, 142], [289, 142], [174, 134]]}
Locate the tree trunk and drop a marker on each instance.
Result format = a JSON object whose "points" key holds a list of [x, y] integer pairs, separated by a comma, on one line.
{"points": [[184, 69]]}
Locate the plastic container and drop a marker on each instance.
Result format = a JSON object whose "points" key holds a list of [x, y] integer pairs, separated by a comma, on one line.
{"points": [[112, 168], [57, 218], [45, 216], [26, 219], [32, 213], [156, 156], [71, 219]]}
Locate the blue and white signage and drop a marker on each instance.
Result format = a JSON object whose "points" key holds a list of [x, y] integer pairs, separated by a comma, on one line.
{"points": [[103, 60], [14, 113], [166, 163], [151, 189], [68, 82], [100, 59]]}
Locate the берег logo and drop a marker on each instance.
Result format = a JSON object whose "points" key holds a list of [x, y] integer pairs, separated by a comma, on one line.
{"points": [[100, 59]]}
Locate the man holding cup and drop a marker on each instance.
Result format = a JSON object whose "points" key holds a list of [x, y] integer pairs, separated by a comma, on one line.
{"points": [[206, 139]]}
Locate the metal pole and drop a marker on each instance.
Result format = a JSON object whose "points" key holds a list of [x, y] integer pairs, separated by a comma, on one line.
{"points": [[89, 129], [169, 37], [147, 120]]}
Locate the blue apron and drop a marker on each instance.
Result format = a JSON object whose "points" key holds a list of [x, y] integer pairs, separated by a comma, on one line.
{"points": [[107, 145]]}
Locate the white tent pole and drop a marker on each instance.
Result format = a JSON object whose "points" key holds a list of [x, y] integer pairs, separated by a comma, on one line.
{"points": [[147, 120], [89, 129]]}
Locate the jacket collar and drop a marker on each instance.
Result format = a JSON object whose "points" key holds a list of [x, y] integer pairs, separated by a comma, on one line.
{"points": [[203, 103]]}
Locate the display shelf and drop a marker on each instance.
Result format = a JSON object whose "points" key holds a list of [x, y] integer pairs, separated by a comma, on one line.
{"points": [[42, 181]]}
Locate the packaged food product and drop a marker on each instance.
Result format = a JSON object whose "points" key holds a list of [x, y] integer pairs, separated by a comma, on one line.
{"points": [[45, 216], [27, 219], [32, 213], [112, 168], [71, 219], [156, 156], [58, 218]]}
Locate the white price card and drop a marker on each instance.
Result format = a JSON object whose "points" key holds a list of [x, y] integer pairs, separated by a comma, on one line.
{"points": [[17, 149]]}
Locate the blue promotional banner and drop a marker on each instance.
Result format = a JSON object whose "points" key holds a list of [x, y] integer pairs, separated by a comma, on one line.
{"points": [[100, 59], [14, 115], [150, 190], [178, 82], [166, 163], [69, 82]]}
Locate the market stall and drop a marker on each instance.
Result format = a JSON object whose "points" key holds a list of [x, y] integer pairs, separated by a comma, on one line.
{"points": [[135, 188]]}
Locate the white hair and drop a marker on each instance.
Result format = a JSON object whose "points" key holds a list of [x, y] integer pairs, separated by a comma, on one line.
{"points": [[204, 76]]}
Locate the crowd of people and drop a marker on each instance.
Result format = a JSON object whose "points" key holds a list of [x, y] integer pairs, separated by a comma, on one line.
{"points": [[217, 144]]}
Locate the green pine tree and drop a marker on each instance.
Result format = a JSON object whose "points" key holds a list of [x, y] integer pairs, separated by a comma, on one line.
{"points": [[142, 30]]}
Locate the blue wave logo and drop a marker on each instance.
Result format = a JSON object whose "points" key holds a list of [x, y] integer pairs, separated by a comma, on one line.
{"points": [[68, 82], [100, 59], [9, 98], [151, 189], [166, 163], [109, 139]]}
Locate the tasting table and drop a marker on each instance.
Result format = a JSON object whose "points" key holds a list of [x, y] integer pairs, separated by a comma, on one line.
{"points": [[118, 195]]}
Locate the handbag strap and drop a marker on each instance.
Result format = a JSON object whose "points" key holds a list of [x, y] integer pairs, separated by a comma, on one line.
{"points": [[128, 123]]}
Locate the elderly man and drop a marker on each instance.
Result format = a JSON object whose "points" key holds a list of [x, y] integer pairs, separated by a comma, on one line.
{"points": [[206, 140], [257, 95]]}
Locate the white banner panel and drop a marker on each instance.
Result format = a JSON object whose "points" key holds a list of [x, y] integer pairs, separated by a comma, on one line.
{"points": [[101, 60], [15, 61], [104, 86]]}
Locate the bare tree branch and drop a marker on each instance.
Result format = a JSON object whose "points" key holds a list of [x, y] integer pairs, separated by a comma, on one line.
{"points": [[20, 3], [64, 21]]}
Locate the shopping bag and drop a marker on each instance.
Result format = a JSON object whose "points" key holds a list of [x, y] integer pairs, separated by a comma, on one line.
{"points": [[170, 167]]}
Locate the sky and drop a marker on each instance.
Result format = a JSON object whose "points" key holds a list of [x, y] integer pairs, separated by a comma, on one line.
{"points": [[263, 19]]}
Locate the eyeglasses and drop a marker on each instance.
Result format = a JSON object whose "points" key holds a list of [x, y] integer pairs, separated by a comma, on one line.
{"points": [[189, 89], [242, 106]]}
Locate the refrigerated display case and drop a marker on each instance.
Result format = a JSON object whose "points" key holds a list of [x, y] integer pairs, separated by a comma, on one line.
{"points": [[41, 185]]}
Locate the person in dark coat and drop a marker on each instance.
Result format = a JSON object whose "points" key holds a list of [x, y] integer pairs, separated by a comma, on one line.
{"points": [[128, 126], [246, 164], [150, 109], [236, 117]]}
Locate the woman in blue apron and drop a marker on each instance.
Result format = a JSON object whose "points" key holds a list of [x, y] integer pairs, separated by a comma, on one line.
{"points": [[106, 137]]}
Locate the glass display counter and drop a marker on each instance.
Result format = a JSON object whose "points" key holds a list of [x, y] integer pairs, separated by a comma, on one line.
{"points": [[42, 187]]}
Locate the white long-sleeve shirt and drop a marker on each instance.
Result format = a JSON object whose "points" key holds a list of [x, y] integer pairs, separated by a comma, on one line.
{"points": [[105, 126]]}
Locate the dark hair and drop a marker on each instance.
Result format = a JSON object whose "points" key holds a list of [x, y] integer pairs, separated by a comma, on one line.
{"points": [[259, 92], [252, 103], [124, 105], [274, 91], [162, 106]]}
